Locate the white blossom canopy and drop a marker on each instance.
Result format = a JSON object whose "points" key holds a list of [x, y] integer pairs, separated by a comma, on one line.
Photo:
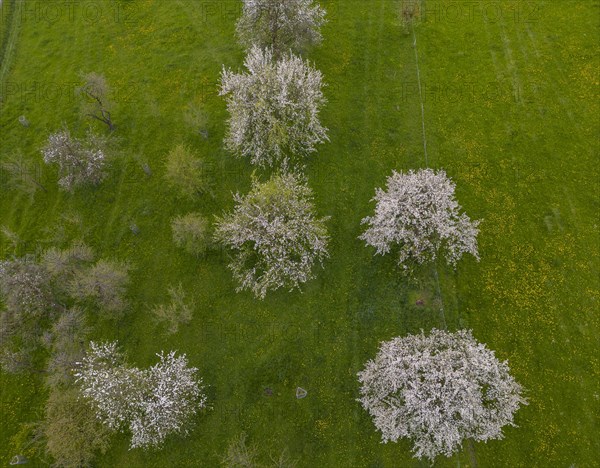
{"points": [[275, 235], [438, 390], [152, 403], [280, 24], [274, 108], [419, 214], [79, 161]]}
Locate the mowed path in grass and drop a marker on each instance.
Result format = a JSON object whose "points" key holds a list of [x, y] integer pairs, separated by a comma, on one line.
{"points": [[509, 113], [517, 129]]}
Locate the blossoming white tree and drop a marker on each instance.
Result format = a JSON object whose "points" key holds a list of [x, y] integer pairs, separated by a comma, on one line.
{"points": [[438, 390], [280, 24], [274, 108], [275, 235], [419, 214], [152, 403], [79, 162]]}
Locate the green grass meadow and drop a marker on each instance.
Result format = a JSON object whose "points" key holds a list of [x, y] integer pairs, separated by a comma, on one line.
{"points": [[510, 97]]}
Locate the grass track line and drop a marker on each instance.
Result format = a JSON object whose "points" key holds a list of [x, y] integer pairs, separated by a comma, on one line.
{"points": [[437, 278], [420, 93], [470, 444], [11, 40]]}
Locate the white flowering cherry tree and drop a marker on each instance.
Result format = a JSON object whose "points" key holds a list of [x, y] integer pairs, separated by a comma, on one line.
{"points": [[274, 108], [79, 162], [280, 24], [275, 235], [438, 390], [152, 403], [419, 215]]}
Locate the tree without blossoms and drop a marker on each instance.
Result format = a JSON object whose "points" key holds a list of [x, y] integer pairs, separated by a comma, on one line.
{"points": [[25, 288], [280, 24], [419, 214], [95, 99], [37, 294], [27, 305], [273, 108], [192, 232], [62, 265], [66, 345], [239, 454], [187, 173], [178, 311], [104, 283], [72, 433], [22, 174], [410, 13], [274, 234], [36, 310], [80, 161], [438, 390], [152, 403]]}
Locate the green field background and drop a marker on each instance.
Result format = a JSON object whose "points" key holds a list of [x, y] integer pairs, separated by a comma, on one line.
{"points": [[510, 98]]}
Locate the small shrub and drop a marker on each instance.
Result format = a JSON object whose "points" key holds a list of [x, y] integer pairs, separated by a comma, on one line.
{"points": [[239, 455], [187, 174], [192, 233], [178, 311]]}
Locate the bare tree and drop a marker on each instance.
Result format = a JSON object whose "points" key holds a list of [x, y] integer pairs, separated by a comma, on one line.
{"points": [[104, 283], [24, 287], [24, 175], [62, 264], [95, 99], [410, 13], [239, 454], [66, 344]]}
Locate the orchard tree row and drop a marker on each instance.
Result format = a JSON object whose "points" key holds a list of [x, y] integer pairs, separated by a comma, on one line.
{"points": [[438, 390]]}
